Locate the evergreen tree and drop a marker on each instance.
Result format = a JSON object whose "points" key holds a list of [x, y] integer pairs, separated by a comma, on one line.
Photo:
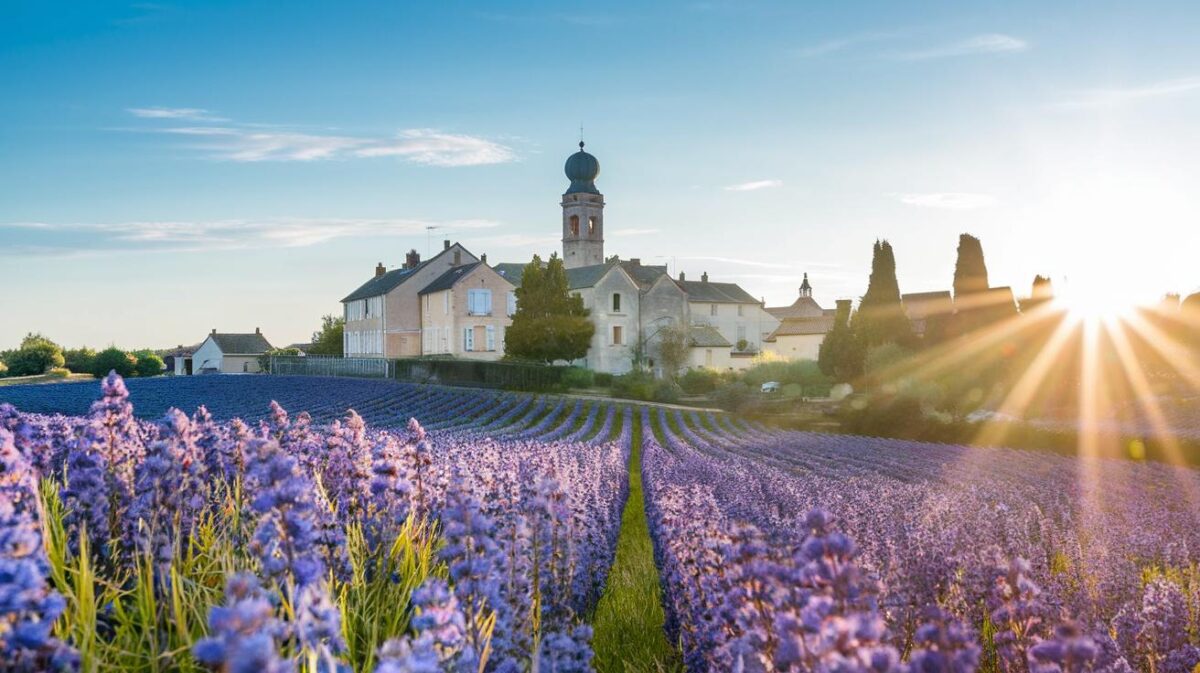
{"points": [[550, 323], [841, 354], [880, 318], [970, 271], [1041, 293]]}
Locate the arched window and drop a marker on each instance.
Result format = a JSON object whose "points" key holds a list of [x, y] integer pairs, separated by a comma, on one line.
{"points": [[616, 304], [574, 225], [592, 225]]}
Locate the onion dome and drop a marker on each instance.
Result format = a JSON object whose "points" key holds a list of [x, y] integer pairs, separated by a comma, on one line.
{"points": [[582, 169]]}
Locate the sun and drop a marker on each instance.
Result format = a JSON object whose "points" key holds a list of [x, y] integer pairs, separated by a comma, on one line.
{"points": [[1095, 301]]}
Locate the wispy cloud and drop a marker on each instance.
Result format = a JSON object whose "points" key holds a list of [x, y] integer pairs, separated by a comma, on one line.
{"points": [[948, 200], [990, 43], [209, 235], [1118, 96], [255, 142], [183, 113], [839, 44], [632, 231], [754, 185]]}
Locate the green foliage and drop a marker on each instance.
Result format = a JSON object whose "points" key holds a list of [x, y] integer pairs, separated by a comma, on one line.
{"points": [[603, 379], [114, 359], [550, 323], [79, 360], [970, 271], [264, 360], [628, 621], [638, 384], [842, 354], [700, 380], [672, 347], [881, 361], [880, 318], [328, 339], [736, 397], [36, 355], [578, 377], [149, 364], [3, 369], [667, 392], [887, 415], [58, 372], [802, 372]]}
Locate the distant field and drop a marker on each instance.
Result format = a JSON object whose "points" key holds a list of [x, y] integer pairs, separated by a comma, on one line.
{"points": [[43, 378]]}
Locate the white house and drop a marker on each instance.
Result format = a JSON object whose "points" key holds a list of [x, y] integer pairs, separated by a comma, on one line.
{"points": [[227, 353]]}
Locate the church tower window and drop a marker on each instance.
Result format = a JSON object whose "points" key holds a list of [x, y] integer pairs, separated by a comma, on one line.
{"points": [[574, 225], [592, 225]]}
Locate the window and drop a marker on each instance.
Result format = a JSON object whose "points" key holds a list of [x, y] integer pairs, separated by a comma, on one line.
{"points": [[740, 307], [512, 303], [712, 309], [592, 225], [616, 303], [479, 302], [445, 303], [468, 339], [491, 337], [574, 225], [617, 335]]}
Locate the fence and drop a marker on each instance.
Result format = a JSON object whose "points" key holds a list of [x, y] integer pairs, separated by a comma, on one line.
{"points": [[330, 365]]}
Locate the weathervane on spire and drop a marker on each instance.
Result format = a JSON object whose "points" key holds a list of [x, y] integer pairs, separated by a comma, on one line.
{"points": [[581, 136]]}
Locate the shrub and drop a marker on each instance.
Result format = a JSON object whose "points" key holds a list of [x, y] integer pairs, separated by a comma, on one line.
{"points": [[736, 396], [636, 385], [264, 360], [3, 369], [58, 372], [603, 379], [149, 364], [667, 392], [578, 377], [700, 381], [79, 360], [114, 359], [37, 355]]}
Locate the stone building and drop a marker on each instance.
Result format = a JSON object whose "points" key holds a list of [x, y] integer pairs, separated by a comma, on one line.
{"points": [[465, 312], [801, 326]]}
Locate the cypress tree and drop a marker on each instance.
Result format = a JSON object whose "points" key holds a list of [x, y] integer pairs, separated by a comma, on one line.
{"points": [[841, 355], [880, 318], [970, 271]]}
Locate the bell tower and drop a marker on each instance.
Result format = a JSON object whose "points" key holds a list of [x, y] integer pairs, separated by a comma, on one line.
{"points": [[583, 212]]}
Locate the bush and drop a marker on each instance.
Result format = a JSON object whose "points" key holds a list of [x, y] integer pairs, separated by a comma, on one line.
{"points": [[895, 415], [58, 373], [37, 355], [636, 385], [700, 381], [736, 397], [3, 369], [603, 379], [149, 364], [79, 360], [578, 377], [114, 359], [264, 360], [667, 392]]}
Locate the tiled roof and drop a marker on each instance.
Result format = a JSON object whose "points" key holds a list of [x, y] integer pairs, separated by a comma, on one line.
{"points": [[241, 344], [803, 307], [706, 336], [802, 327], [921, 305], [303, 346], [389, 281], [643, 275], [720, 293], [586, 276], [511, 271], [448, 279]]}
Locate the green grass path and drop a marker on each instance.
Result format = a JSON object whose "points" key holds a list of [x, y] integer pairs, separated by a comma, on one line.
{"points": [[628, 621]]}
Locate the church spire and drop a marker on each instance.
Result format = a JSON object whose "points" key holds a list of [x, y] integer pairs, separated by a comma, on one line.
{"points": [[805, 288], [583, 211]]}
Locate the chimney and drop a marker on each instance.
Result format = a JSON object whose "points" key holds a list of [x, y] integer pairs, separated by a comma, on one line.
{"points": [[704, 277], [412, 259], [682, 277], [380, 269], [214, 330], [258, 331], [446, 244], [636, 261], [483, 258]]}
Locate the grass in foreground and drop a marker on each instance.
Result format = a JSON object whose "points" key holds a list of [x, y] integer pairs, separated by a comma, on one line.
{"points": [[628, 621]]}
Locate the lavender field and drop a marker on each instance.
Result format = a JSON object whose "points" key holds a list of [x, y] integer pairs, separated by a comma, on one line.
{"points": [[306, 524]]}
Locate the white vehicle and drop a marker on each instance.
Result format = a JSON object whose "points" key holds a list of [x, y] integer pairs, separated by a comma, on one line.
{"points": [[770, 387]]}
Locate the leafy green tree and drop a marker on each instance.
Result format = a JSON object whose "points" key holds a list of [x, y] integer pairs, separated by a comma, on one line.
{"points": [[114, 359], [79, 360], [880, 318], [37, 355], [328, 339], [3, 369], [149, 363], [672, 346], [550, 323], [264, 360], [842, 354]]}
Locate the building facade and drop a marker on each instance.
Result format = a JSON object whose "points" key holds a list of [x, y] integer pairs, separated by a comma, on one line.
{"points": [[224, 353], [465, 313]]}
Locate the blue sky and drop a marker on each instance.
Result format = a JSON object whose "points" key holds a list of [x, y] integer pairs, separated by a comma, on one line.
{"points": [[168, 168]]}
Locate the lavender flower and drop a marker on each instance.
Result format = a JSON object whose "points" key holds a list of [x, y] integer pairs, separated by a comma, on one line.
{"points": [[244, 631]]}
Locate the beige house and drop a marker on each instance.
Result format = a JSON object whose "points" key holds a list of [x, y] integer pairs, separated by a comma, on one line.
{"points": [[709, 349], [737, 317], [802, 326], [920, 307], [226, 354], [383, 316], [465, 312]]}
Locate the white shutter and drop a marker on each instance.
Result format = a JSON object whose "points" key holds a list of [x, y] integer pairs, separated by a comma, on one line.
{"points": [[491, 337], [486, 297], [468, 339], [512, 303]]}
